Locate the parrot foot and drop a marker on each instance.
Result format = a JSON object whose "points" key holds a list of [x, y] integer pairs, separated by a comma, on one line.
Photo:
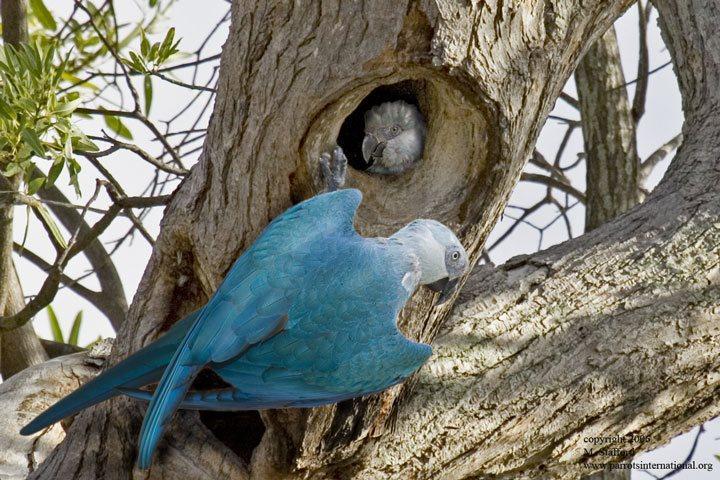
{"points": [[333, 169]]}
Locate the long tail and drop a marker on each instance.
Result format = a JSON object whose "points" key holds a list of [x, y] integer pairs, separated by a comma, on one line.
{"points": [[143, 367], [175, 382]]}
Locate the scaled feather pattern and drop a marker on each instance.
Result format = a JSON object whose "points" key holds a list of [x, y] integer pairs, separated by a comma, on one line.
{"points": [[305, 317]]}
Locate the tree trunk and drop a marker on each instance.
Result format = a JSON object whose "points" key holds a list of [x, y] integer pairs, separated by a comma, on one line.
{"points": [[608, 132], [19, 348], [610, 333]]}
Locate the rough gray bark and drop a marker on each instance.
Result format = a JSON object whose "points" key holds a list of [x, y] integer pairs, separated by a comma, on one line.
{"points": [[610, 137], [578, 340], [29, 393], [608, 133], [19, 348]]}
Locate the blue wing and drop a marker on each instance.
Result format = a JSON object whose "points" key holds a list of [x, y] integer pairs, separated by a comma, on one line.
{"points": [[284, 384], [342, 340], [253, 302]]}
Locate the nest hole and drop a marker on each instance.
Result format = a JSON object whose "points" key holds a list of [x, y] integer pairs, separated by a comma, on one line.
{"points": [[444, 185], [352, 130], [240, 431]]}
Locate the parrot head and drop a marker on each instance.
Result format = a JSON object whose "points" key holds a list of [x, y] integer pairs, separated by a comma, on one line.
{"points": [[394, 137], [443, 259]]}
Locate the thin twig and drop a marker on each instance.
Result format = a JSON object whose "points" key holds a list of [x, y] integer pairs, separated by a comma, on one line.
{"points": [[638, 106]]}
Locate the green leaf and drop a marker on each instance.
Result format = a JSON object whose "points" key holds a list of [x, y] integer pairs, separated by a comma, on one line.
{"points": [[73, 169], [148, 88], [12, 169], [116, 125], [43, 14], [67, 107], [144, 45], [5, 110], [54, 325], [75, 330], [137, 64], [67, 148], [31, 138], [153, 56], [153, 3], [34, 185], [167, 44], [55, 170], [44, 215], [83, 143], [83, 115]]}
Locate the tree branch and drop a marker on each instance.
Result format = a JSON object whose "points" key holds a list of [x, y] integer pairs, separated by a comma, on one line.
{"points": [[638, 105], [21, 347], [78, 242], [553, 183], [647, 167], [14, 21], [101, 263]]}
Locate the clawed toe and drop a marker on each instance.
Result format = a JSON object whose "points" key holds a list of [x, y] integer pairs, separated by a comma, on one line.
{"points": [[333, 169]]}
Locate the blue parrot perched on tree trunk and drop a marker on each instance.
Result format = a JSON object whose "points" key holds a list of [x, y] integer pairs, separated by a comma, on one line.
{"points": [[305, 317]]}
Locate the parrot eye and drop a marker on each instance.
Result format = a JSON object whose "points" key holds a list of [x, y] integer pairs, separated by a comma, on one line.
{"points": [[455, 255], [395, 129]]}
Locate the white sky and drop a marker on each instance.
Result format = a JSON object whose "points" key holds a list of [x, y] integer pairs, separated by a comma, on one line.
{"points": [[662, 120]]}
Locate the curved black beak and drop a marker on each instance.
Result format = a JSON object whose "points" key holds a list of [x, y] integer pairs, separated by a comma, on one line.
{"points": [[372, 149], [445, 286], [378, 150]]}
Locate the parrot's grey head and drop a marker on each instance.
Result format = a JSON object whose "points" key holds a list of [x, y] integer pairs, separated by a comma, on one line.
{"points": [[394, 137], [443, 259]]}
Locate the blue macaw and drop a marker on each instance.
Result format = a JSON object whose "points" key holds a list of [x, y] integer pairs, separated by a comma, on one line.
{"points": [[305, 317]]}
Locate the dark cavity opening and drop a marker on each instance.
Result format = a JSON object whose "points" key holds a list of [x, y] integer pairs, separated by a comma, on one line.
{"points": [[352, 130], [241, 432]]}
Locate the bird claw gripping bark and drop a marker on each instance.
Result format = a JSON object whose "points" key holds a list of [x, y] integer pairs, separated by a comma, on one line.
{"points": [[333, 169]]}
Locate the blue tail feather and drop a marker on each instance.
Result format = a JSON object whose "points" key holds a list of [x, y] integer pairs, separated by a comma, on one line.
{"points": [[175, 381], [143, 367], [170, 393]]}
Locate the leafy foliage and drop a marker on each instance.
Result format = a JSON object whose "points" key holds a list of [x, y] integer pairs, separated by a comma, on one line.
{"points": [[88, 63], [152, 56], [35, 117]]}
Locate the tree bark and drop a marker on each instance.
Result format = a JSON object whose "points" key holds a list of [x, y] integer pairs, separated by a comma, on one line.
{"points": [[20, 348], [14, 19], [608, 133], [610, 137], [27, 394], [609, 333]]}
